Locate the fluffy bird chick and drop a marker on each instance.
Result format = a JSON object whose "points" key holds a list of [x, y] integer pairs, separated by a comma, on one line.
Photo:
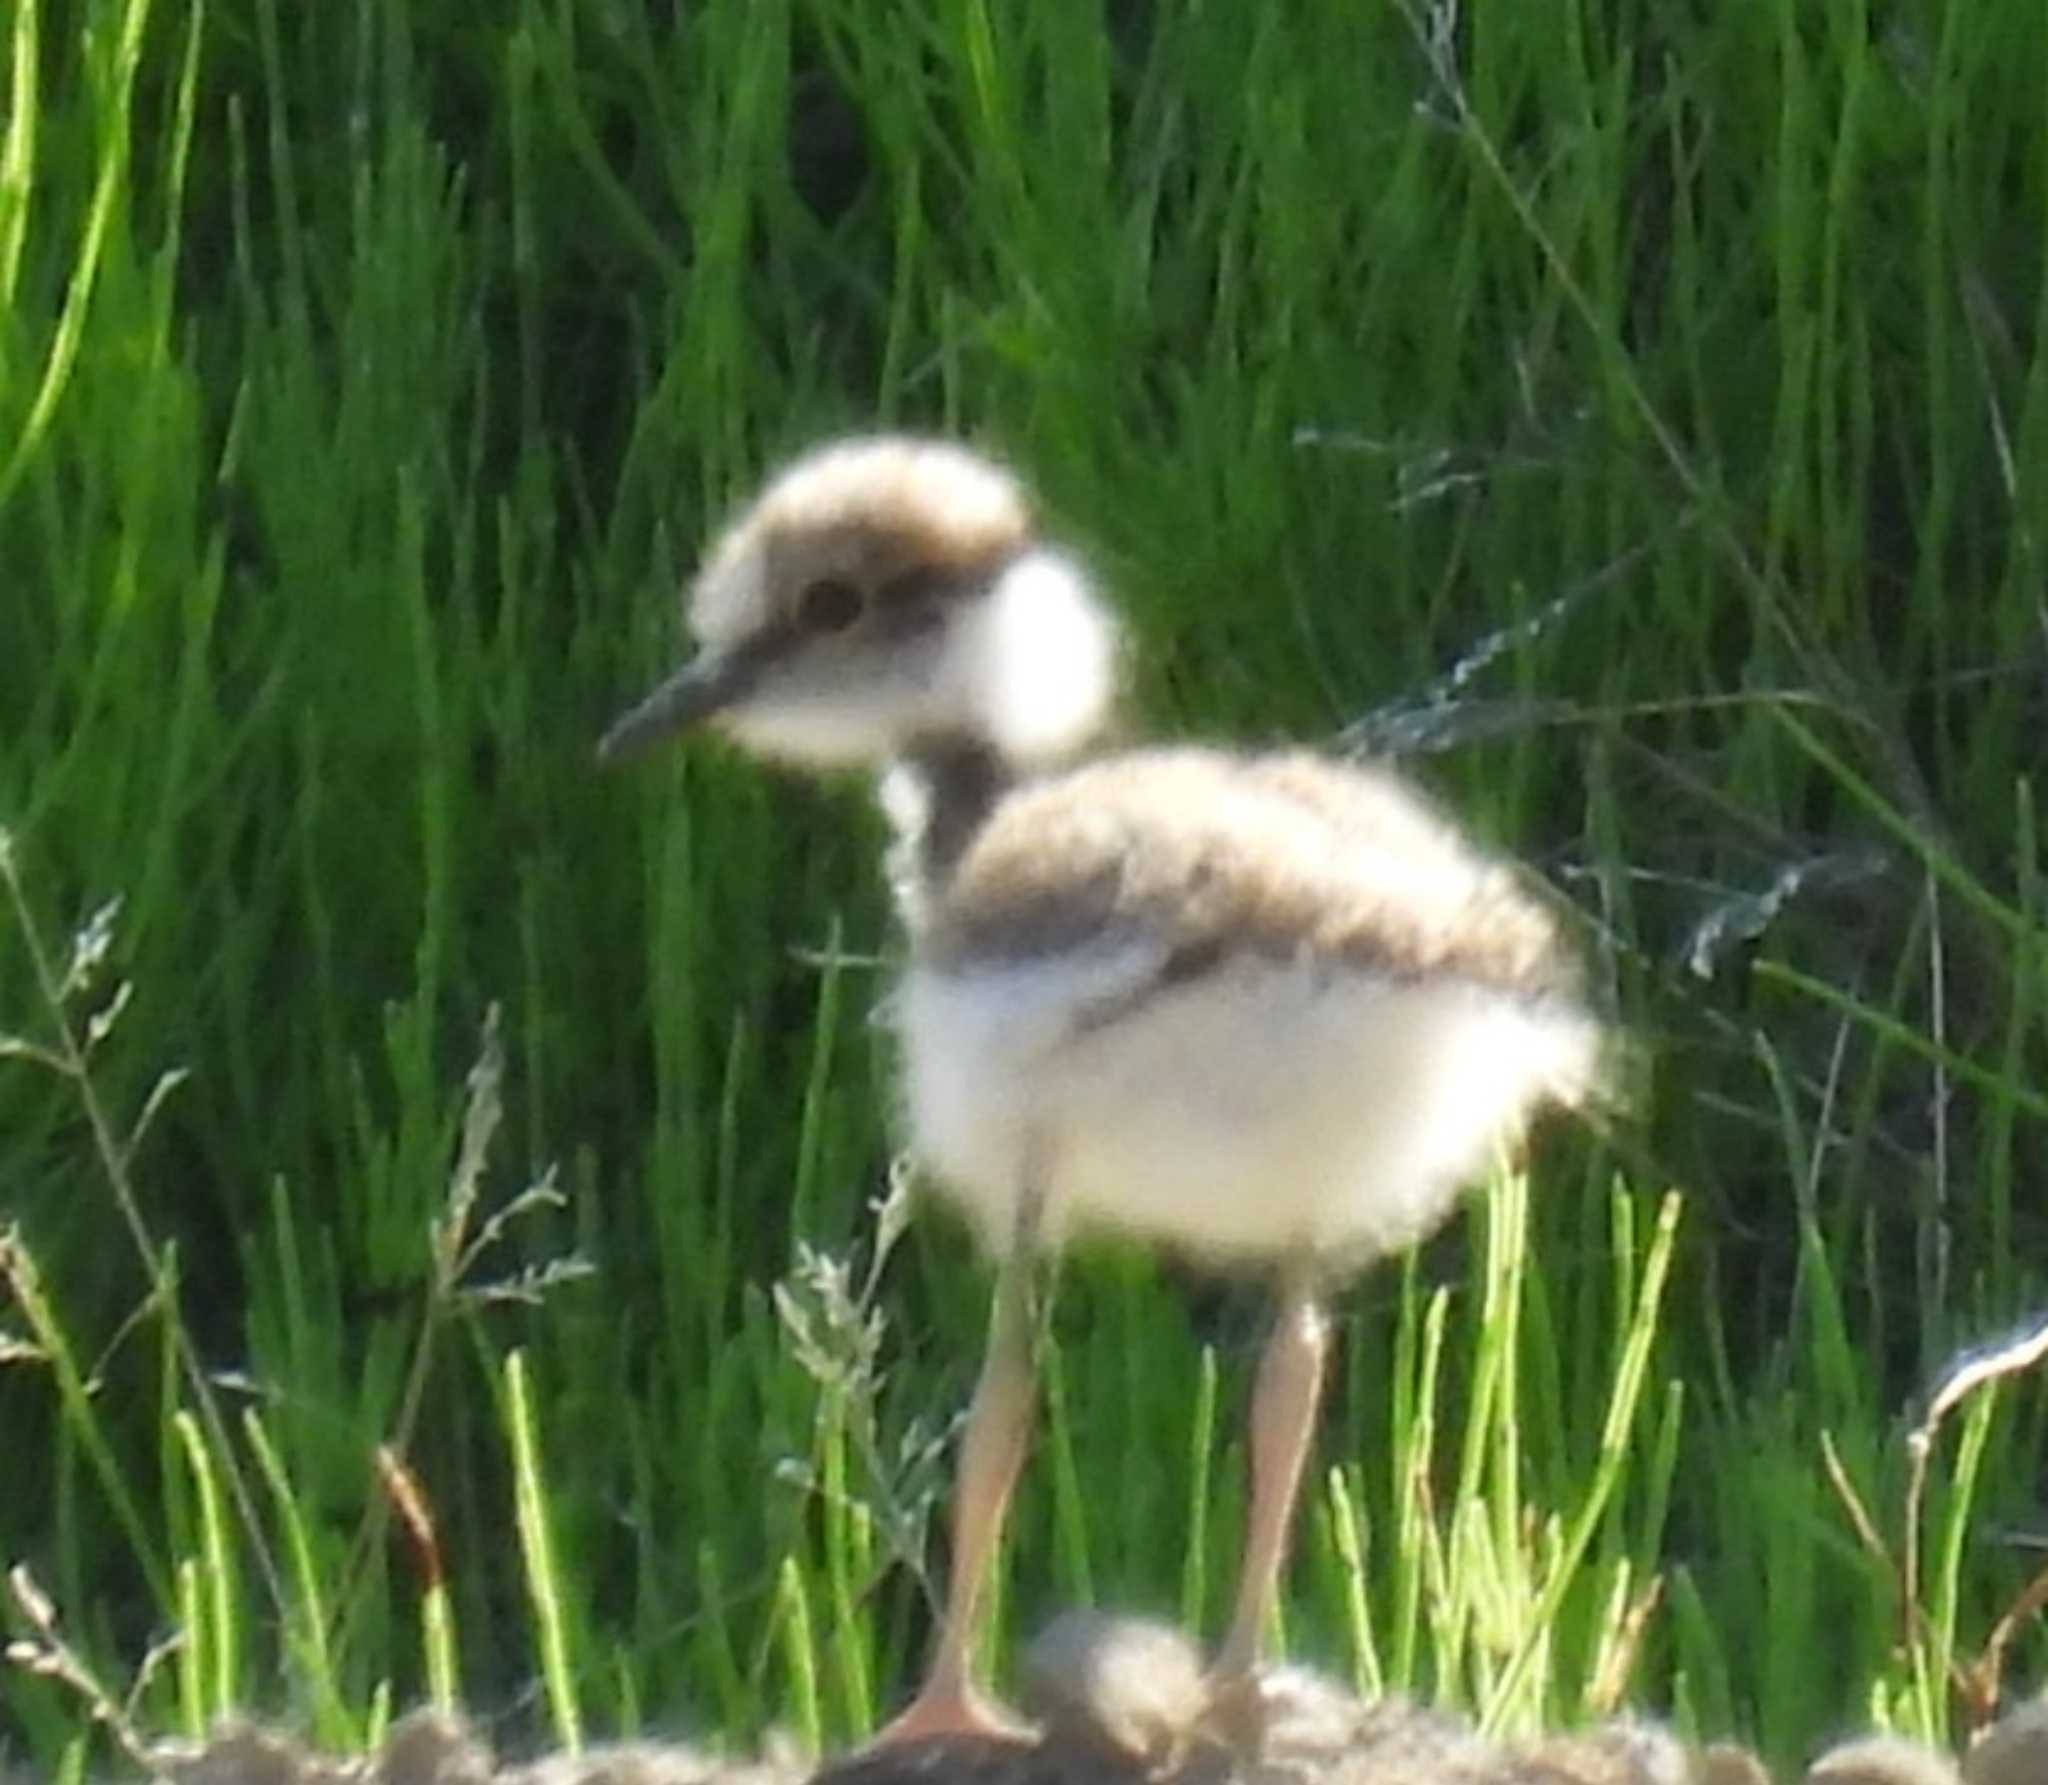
{"points": [[2013, 1751], [1129, 1688], [1882, 1760], [1270, 1010]]}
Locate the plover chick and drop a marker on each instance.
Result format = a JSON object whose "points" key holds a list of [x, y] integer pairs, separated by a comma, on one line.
{"points": [[1881, 1760], [2013, 1751], [1270, 1010]]}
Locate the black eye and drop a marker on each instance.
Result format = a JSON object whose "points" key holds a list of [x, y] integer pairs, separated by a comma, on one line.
{"points": [[831, 604]]}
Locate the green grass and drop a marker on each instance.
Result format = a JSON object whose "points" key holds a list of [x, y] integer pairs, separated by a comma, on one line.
{"points": [[1636, 416]]}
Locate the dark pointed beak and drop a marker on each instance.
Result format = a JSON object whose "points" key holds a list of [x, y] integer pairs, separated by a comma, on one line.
{"points": [[706, 685]]}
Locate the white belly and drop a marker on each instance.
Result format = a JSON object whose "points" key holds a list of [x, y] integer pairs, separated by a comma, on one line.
{"points": [[1260, 1108]]}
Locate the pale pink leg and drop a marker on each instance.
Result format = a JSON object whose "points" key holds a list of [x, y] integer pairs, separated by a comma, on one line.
{"points": [[991, 1455], [1283, 1422]]}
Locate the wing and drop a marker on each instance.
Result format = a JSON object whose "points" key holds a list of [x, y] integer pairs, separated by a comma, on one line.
{"points": [[1208, 855]]}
